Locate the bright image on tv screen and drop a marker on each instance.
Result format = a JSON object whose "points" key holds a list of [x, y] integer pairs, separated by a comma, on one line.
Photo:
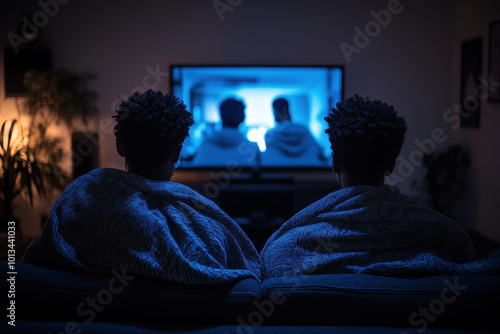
{"points": [[254, 137]]}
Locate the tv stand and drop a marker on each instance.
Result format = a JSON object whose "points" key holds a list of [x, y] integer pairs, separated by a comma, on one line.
{"points": [[260, 201]]}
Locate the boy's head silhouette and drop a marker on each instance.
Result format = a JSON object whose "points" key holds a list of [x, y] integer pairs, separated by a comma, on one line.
{"points": [[281, 111], [232, 112], [150, 129], [366, 138]]}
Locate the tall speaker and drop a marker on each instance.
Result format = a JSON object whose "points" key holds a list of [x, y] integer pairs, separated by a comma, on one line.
{"points": [[85, 152]]}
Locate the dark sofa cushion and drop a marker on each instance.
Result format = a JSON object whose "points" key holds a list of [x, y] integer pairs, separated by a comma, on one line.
{"points": [[471, 302], [54, 294], [368, 300]]}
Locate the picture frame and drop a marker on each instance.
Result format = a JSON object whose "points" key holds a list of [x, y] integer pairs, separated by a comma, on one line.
{"points": [[494, 62], [470, 84]]}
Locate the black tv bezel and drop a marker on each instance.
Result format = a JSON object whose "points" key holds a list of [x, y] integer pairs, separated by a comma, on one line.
{"points": [[259, 169]]}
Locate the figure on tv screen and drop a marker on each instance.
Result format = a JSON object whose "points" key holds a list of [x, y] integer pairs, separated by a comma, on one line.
{"points": [[228, 145], [290, 144], [136, 220]]}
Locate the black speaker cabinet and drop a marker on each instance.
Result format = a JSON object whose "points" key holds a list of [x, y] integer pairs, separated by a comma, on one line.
{"points": [[85, 152]]}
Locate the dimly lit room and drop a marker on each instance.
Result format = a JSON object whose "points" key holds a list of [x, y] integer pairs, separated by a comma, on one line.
{"points": [[237, 166]]}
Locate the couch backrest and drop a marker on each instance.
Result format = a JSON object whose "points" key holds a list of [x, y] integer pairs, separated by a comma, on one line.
{"points": [[53, 294], [340, 300], [367, 300]]}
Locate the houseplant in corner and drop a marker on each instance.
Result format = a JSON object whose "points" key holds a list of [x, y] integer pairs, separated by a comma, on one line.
{"points": [[59, 94], [28, 165], [445, 177], [30, 160]]}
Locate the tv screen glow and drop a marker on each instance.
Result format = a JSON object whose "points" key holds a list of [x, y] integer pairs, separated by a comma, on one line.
{"points": [[310, 91]]}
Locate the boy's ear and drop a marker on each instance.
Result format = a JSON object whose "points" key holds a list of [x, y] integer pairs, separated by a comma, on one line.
{"points": [[176, 154], [120, 149]]}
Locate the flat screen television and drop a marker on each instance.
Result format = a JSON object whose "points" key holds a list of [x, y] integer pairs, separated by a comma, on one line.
{"points": [[259, 142]]}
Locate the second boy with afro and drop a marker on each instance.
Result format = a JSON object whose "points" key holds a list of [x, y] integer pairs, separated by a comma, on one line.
{"points": [[366, 227]]}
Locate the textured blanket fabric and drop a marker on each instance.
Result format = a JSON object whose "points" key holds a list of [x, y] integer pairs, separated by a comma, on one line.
{"points": [[372, 230], [111, 219]]}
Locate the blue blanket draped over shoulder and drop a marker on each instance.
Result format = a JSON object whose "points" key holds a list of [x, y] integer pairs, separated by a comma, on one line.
{"points": [[372, 230], [111, 219]]}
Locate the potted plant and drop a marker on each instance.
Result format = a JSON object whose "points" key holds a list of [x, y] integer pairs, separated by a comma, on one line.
{"points": [[28, 165], [445, 178], [30, 160], [59, 94]]}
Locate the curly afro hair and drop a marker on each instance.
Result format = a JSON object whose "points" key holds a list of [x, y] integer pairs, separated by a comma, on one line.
{"points": [[150, 125], [366, 135]]}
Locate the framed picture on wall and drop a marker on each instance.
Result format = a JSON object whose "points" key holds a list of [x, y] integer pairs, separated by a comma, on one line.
{"points": [[470, 84], [494, 62]]}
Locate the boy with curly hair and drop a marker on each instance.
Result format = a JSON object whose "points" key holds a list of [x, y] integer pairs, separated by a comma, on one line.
{"points": [[137, 220], [366, 227]]}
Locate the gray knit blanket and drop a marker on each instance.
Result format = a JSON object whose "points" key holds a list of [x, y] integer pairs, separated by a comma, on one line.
{"points": [[372, 230], [110, 220]]}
